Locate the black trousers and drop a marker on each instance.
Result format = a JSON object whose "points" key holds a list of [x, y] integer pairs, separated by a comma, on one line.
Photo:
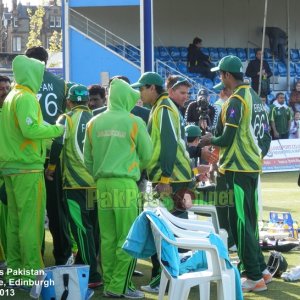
{"points": [[58, 218]]}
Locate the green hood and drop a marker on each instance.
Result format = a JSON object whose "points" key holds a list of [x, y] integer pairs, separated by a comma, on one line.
{"points": [[122, 96], [28, 72]]}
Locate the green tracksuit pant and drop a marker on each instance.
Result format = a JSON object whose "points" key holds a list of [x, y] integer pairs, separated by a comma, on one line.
{"points": [[243, 222], [118, 208], [83, 222], [3, 219], [26, 200]]}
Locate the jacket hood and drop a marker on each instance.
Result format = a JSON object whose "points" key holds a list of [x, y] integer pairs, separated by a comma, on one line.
{"points": [[28, 72], [122, 96]]}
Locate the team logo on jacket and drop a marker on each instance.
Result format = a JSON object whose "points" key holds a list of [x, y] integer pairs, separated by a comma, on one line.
{"points": [[29, 121]]}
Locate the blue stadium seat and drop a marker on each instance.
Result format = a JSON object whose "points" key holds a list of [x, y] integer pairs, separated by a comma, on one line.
{"points": [[181, 66], [274, 68], [282, 69], [132, 54], [121, 50], [222, 52], [251, 53], [205, 50], [111, 47], [270, 98], [163, 53], [199, 80], [156, 53], [268, 55], [292, 69], [208, 83], [217, 80], [183, 53], [172, 64], [175, 53], [241, 54], [294, 55], [297, 68], [213, 53], [231, 51]]}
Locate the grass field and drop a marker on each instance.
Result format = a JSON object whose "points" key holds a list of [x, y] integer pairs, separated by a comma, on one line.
{"points": [[280, 193]]}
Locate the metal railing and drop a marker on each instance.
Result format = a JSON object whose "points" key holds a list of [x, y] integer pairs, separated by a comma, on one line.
{"points": [[164, 70], [105, 37]]}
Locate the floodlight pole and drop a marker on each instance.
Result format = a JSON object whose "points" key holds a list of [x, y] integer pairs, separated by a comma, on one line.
{"points": [[263, 46], [146, 35]]}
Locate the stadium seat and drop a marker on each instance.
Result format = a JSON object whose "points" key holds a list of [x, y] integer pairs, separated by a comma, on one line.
{"points": [[183, 53], [251, 53], [132, 54], [121, 49], [297, 68], [217, 80], [156, 53], [175, 53], [181, 66], [112, 47], [282, 69], [213, 98], [274, 68], [292, 69], [231, 51], [222, 52], [294, 54], [270, 98], [205, 51], [241, 54], [163, 53], [208, 83], [172, 64], [268, 55], [213, 53]]}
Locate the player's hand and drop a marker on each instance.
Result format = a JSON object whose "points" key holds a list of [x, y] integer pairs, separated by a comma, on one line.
{"points": [[276, 134], [49, 174], [210, 156], [205, 140]]}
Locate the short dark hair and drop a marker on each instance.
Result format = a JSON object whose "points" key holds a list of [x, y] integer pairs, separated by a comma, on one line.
{"points": [[257, 50], [278, 94], [236, 76], [37, 52], [159, 89], [173, 79], [197, 40], [4, 79], [97, 89], [126, 79]]}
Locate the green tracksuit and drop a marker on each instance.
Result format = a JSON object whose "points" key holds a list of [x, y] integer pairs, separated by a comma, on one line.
{"points": [[241, 152], [22, 156], [117, 146], [78, 184]]}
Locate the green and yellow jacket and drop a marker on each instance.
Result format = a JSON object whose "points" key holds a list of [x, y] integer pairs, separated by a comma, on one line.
{"points": [[117, 144], [22, 131], [170, 161]]}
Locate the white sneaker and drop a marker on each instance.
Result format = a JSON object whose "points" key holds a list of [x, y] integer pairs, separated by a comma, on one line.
{"points": [[149, 289], [249, 285], [292, 275], [134, 294]]}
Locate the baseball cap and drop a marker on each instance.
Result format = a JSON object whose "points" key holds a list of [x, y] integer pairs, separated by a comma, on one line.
{"points": [[192, 131], [149, 78], [78, 93], [202, 92], [181, 80], [230, 64]]}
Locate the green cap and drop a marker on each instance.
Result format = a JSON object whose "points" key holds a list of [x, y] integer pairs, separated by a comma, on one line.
{"points": [[192, 131], [78, 93], [230, 64], [219, 87], [149, 78]]}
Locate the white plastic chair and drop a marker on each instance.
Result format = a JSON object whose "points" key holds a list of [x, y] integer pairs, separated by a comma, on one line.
{"points": [[198, 225], [179, 287]]}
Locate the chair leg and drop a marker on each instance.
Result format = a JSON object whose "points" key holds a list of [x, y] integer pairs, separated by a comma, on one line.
{"points": [[204, 291], [176, 290], [162, 286]]}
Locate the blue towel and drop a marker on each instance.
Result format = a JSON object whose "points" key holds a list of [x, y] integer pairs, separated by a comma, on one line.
{"points": [[140, 243]]}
